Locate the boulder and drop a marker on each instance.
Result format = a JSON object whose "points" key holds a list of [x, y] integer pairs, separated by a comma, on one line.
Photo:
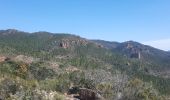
{"points": [[85, 94]]}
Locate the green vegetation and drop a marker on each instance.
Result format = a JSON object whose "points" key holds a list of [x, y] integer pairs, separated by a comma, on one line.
{"points": [[53, 63]]}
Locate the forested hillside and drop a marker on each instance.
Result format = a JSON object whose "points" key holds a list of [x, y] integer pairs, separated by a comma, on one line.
{"points": [[59, 66]]}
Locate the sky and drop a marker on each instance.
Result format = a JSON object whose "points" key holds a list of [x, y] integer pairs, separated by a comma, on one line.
{"points": [[145, 21]]}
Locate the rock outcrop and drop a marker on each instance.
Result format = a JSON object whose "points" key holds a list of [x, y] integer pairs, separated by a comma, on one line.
{"points": [[135, 52], [25, 59], [88, 94], [3, 58], [85, 94], [136, 55], [67, 43], [72, 69]]}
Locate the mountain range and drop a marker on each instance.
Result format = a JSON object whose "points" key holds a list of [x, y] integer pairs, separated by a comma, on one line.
{"points": [[59, 61]]}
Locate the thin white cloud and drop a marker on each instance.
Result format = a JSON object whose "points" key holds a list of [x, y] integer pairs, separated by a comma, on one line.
{"points": [[163, 44]]}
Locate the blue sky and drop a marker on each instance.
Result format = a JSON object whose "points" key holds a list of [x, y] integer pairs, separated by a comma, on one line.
{"points": [[145, 21]]}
